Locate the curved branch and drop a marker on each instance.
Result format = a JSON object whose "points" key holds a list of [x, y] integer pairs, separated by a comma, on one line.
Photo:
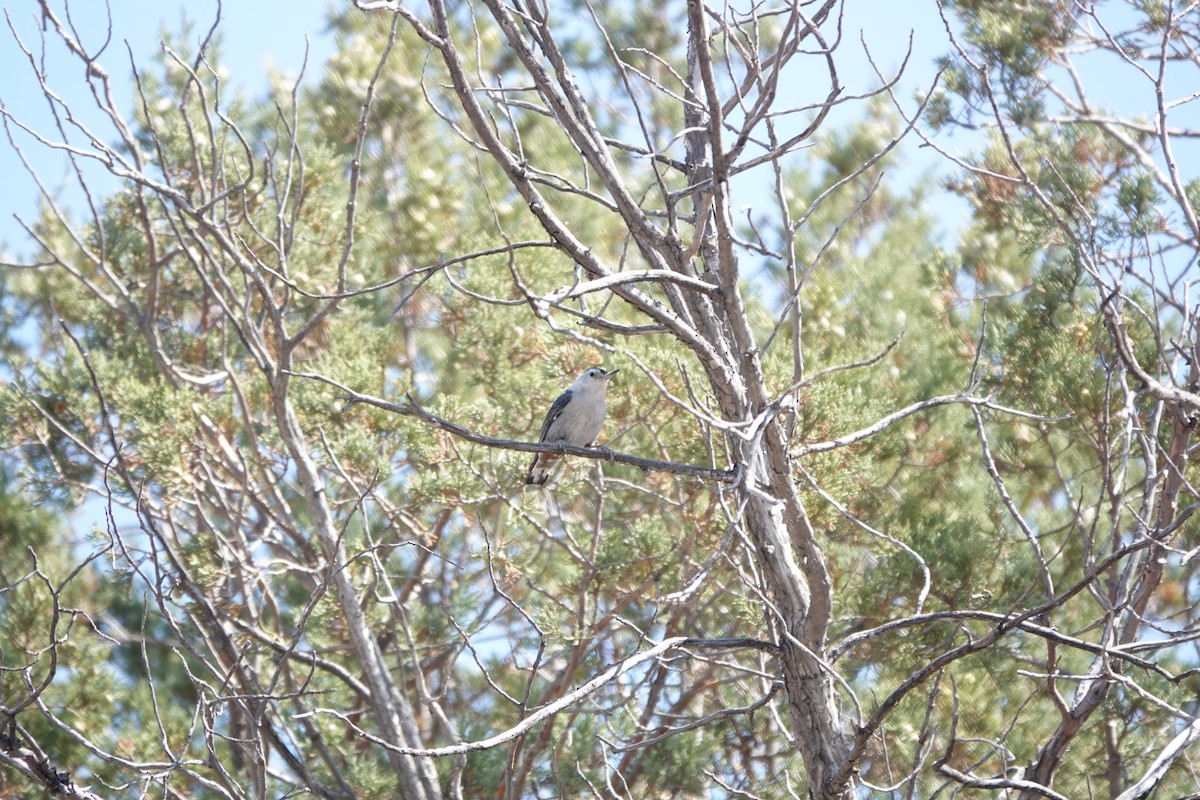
{"points": [[996, 783], [632, 276], [1044, 631], [548, 711], [1158, 769], [966, 399], [1158, 390]]}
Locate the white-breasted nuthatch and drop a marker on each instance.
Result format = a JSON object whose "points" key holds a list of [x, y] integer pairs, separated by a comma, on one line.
{"points": [[575, 418]]}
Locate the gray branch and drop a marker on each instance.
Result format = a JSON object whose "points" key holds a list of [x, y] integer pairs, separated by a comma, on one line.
{"points": [[411, 409]]}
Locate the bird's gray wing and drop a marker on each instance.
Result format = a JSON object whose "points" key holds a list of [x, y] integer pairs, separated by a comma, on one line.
{"points": [[555, 412]]}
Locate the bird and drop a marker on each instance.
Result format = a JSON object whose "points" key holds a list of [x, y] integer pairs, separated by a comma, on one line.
{"points": [[575, 418]]}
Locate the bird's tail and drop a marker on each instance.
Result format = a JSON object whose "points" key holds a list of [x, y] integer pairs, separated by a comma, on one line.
{"points": [[539, 469]]}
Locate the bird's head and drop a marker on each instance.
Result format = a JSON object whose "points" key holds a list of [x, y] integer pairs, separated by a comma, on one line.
{"points": [[593, 378]]}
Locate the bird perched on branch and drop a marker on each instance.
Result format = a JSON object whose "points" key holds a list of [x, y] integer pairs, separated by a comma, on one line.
{"points": [[575, 418]]}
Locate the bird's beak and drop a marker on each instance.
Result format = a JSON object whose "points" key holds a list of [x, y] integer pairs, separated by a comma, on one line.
{"points": [[612, 372]]}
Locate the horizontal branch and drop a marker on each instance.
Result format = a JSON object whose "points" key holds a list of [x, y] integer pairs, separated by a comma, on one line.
{"points": [[997, 783], [738, 643], [410, 409], [632, 276]]}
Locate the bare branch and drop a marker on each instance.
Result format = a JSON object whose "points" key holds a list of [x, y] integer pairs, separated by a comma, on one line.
{"points": [[410, 409]]}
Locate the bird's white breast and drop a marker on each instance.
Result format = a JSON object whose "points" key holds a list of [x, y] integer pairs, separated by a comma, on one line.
{"points": [[581, 421]]}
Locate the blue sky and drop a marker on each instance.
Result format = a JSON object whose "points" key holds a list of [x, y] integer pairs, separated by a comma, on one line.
{"points": [[257, 37], [267, 36]]}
